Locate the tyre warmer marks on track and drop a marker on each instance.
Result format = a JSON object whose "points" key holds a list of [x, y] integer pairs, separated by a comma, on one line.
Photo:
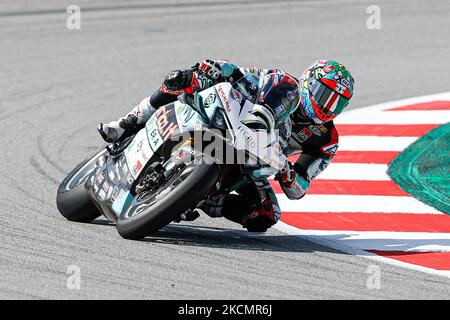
{"points": [[355, 207]]}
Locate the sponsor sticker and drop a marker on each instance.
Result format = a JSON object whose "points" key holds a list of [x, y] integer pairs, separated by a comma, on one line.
{"points": [[101, 195], [247, 136], [139, 146], [273, 162], [137, 168], [130, 178], [314, 129], [223, 98], [236, 95], [210, 99], [164, 125], [122, 200], [100, 178], [303, 134], [109, 194], [155, 139], [115, 193], [111, 176], [138, 155], [131, 145], [279, 110], [105, 186], [322, 128]]}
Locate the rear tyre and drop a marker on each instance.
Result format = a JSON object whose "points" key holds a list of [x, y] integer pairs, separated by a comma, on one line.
{"points": [[72, 200]]}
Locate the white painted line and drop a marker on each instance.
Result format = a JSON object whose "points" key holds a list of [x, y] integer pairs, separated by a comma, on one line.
{"points": [[283, 227], [387, 241], [374, 143], [365, 116], [355, 171], [355, 203], [443, 96]]}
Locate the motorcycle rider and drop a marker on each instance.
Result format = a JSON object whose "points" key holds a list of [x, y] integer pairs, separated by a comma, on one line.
{"points": [[326, 88]]}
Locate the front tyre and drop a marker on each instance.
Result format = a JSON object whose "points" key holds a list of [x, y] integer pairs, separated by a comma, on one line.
{"points": [[185, 195], [72, 200]]}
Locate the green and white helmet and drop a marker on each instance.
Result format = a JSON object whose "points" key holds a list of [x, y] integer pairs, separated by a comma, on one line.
{"points": [[326, 89]]}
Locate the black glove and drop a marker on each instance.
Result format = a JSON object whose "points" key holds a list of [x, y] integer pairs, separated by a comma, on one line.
{"points": [[178, 79]]}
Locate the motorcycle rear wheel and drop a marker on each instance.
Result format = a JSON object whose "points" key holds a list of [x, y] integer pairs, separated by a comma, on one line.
{"points": [[72, 200]]}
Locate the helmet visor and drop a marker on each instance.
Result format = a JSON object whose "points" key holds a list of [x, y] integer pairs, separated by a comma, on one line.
{"points": [[326, 102]]}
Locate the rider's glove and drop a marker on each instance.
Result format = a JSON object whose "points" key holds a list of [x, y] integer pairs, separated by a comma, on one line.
{"points": [[292, 184], [210, 69], [178, 79], [130, 122], [286, 175]]}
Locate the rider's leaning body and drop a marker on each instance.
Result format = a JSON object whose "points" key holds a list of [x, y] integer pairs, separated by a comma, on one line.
{"points": [[325, 89]]}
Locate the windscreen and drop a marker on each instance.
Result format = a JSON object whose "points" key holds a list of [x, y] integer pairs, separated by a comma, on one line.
{"points": [[279, 92], [248, 86]]}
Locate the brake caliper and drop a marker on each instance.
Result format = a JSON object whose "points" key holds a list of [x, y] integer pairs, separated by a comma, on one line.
{"points": [[154, 177]]}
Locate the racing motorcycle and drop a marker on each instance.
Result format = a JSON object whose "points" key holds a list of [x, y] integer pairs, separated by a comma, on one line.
{"points": [[151, 178]]}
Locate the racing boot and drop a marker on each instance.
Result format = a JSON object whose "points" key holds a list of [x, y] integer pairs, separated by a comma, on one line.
{"points": [[189, 215], [133, 121], [212, 206]]}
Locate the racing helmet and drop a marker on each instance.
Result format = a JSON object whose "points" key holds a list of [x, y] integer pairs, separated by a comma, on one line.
{"points": [[326, 88]]}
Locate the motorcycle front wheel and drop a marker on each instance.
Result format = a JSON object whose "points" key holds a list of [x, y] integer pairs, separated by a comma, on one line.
{"points": [[184, 190]]}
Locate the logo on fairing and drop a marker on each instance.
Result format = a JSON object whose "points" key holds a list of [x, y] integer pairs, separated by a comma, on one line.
{"points": [[105, 186], [248, 138], [100, 178], [165, 127], [101, 195], [115, 193], [236, 95], [137, 168], [223, 98], [189, 114], [210, 99], [139, 146]]}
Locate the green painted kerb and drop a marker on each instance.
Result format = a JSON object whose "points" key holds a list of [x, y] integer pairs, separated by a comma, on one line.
{"points": [[423, 169]]}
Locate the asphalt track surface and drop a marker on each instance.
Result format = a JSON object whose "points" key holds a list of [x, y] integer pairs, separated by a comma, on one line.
{"points": [[57, 84]]}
